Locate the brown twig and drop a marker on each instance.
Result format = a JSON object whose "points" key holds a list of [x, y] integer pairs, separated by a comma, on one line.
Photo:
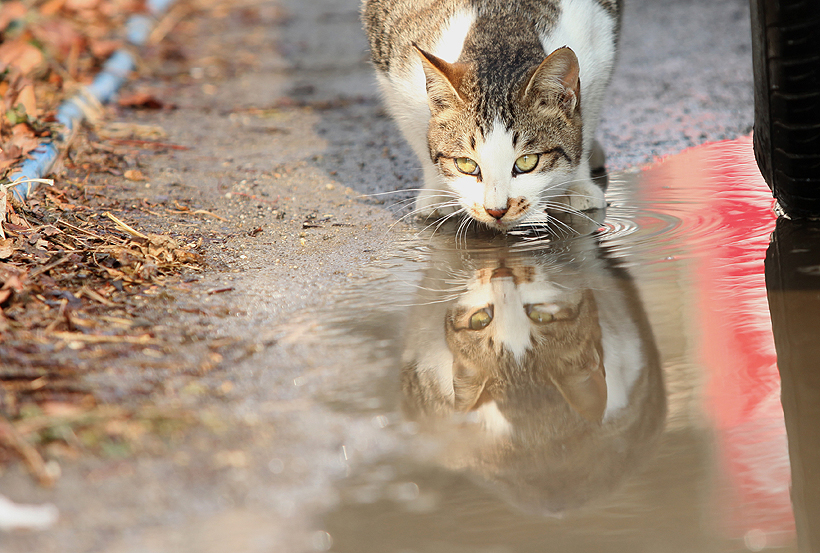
{"points": [[126, 228], [152, 143], [48, 267], [14, 440], [78, 229], [167, 23], [99, 339]]}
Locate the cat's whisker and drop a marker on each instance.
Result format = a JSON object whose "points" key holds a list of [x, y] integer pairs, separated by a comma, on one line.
{"points": [[401, 204], [564, 208], [537, 227], [400, 190], [561, 224], [464, 228], [447, 218], [436, 207], [561, 228], [414, 212], [440, 221], [443, 193]]}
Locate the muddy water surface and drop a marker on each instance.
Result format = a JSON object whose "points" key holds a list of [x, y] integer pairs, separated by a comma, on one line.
{"points": [[611, 390]]}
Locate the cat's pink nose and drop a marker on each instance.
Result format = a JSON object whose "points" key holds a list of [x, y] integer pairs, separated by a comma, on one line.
{"points": [[497, 213]]}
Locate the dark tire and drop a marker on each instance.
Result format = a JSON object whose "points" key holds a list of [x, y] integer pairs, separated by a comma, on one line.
{"points": [[786, 55]]}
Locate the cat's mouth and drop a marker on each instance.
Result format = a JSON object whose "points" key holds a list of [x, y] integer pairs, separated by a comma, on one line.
{"points": [[506, 224], [502, 219]]}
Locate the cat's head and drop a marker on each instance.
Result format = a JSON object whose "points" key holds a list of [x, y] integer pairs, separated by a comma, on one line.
{"points": [[505, 150]]}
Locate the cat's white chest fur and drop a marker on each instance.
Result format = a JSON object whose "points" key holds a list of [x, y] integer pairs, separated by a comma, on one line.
{"points": [[583, 26]]}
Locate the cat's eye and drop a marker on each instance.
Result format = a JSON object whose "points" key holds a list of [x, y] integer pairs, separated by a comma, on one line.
{"points": [[481, 318], [466, 165], [526, 163], [542, 313]]}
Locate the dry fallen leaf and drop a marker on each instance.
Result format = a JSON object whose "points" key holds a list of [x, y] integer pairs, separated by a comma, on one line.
{"points": [[60, 35], [9, 11], [144, 100], [134, 174], [20, 55], [6, 248], [101, 49], [14, 283], [6, 163], [27, 99]]}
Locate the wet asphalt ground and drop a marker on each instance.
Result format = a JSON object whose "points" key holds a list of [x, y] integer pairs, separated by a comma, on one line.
{"points": [[279, 106]]}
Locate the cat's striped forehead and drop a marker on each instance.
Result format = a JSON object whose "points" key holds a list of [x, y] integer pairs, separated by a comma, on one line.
{"points": [[494, 112], [501, 61]]}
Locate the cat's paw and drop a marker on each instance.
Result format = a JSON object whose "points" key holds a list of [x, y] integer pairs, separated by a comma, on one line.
{"points": [[597, 159], [585, 195], [582, 223]]}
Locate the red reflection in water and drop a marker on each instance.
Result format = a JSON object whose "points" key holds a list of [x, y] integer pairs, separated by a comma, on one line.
{"points": [[727, 216]]}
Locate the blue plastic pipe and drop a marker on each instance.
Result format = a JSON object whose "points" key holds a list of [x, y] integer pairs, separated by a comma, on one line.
{"points": [[104, 88]]}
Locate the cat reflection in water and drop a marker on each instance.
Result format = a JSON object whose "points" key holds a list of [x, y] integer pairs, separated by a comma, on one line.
{"points": [[539, 368], [499, 99]]}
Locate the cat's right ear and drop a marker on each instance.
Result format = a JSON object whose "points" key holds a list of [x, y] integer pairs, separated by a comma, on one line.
{"points": [[443, 81], [586, 393]]}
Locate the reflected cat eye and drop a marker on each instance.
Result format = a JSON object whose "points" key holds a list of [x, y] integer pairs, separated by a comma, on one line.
{"points": [[481, 318], [542, 313], [526, 163], [466, 165]]}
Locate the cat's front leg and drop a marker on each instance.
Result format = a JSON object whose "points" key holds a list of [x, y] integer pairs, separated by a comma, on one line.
{"points": [[583, 194], [434, 199]]}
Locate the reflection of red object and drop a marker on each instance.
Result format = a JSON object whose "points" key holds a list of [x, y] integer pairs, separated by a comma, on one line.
{"points": [[733, 209]]}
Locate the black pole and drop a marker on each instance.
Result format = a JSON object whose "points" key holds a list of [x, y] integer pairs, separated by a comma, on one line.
{"points": [[786, 58]]}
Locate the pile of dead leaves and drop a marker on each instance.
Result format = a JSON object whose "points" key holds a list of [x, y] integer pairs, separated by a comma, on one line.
{"points": [[65, 270], [76, 277], [51, 255], [68, 277], [48, 49]]}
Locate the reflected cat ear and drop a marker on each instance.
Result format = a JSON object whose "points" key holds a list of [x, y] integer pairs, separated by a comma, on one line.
{"points": [[468, 386], [586, 394], [556, 79], [443, 81]]}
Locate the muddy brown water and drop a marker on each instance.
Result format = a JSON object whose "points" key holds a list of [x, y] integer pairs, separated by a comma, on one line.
{"points": [[685, 447]]}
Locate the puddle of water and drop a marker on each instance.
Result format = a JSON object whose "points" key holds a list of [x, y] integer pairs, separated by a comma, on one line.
{"points": [[615, 391]]}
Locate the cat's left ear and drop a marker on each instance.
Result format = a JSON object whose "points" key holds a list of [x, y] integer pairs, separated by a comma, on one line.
{"points": [[469, 387], [556, 79], [443, 81]]}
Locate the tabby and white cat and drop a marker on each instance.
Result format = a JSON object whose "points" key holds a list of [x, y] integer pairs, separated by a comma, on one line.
{"points": [[499, 99], [550, 355]]}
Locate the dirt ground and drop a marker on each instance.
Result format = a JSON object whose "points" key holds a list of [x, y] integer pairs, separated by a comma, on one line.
{"points": [[268, 161]]}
